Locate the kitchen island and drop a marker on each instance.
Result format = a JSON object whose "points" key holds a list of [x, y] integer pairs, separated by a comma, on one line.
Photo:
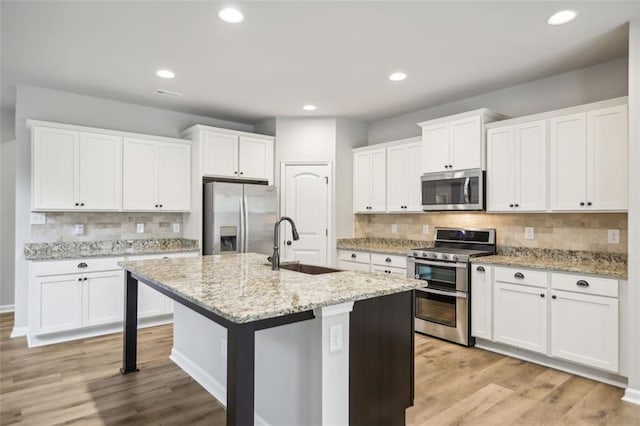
{"points": [[360, 326]]}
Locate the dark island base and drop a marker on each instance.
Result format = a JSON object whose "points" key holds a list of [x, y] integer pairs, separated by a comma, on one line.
{"points": [[381, 360]]}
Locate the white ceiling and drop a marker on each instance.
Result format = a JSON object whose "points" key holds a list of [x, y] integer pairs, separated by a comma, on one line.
{"points": [[336, 55]]}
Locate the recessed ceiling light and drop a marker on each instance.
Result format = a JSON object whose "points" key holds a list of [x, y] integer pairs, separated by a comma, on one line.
{"points": [[397, 76], [562, 17], [309, 107], [231, 15], [165, 74]]}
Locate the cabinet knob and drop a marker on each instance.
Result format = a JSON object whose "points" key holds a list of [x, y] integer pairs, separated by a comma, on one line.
{"points": [[388, 260], [85, 278], [160, 205], [554, 297], [353, 255], [450, 166], [79, 279], [517, 205], [241, 173], [519, 275], [156, 206], [77, 204], [446, 166], [582, 203], [480, 269], [235, 173], [510, 205], [81, 204], [589, 203], [542, 295], [582, 283]]}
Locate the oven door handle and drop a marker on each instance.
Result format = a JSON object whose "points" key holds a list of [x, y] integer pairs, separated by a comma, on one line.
{"points": [[456, 294], [436, 263]]}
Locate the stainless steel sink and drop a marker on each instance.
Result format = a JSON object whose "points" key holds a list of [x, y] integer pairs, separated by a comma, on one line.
{"points": [[307, 269]]}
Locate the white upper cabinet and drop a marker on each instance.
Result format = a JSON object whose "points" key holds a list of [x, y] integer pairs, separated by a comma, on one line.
{"points": [[157, 175], [588, 160], [517, 168], [233, 154], [455, 142], [403, 177], [73, 170], [369, 181]]}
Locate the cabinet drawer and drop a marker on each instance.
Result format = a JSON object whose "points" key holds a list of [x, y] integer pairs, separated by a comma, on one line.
{"points": [[354, 256], [521, 276], [353, 266], [74, 266], [584, 284], [398, 272], [389, 260]]}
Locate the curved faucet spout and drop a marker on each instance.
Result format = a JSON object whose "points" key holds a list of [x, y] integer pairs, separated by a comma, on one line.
{"points": [[275, 257]]}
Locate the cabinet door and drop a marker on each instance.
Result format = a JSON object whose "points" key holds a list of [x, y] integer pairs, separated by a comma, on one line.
{"points": [[174, 176], [413, 165], [435, 140], [531, 167], [54, 165], [57, 301], [139, 174], [520, 316], [607, 158], [396, 178], [100, 172], [482, 301], [465, 144], [378, 180], [501, 167], [568, 145], [103, 297], [220, 152], [255, 158], [361, 181], [584, 329]]}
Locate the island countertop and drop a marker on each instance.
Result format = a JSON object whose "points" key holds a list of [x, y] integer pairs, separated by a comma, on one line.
{"points": [[242, 287]]}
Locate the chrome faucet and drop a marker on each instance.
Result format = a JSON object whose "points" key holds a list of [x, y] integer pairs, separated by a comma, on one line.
{"points": [[275, 257]]}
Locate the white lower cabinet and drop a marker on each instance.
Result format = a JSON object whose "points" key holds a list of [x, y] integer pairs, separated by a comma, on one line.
{"points": [[372, 262], [103, 297], [564, 316], [58, 303]]}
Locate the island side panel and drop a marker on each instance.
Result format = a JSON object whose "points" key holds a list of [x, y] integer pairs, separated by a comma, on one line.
{"points": [[381, 360]]}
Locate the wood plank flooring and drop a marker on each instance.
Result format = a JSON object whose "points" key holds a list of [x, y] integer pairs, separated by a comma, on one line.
{"points": [[79, 383]]}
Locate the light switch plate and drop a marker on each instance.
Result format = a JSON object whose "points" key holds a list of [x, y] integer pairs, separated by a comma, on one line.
{"points": [[529, 233], [335, 338], [613, 236], [176, 228], [140, 228], [394, 229], [78, 229], [425, 229], [38, 218]]}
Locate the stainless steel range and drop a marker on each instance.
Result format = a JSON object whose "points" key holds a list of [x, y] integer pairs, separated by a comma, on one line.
{"points": [[443, 306]]}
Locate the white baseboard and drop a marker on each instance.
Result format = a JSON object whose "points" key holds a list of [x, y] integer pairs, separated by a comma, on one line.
{"points": [[204, 379], [558, 364], [7, 308], [632, 396], [19, 331]]}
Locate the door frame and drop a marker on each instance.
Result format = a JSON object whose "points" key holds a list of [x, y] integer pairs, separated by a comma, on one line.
{"points": [[331, 239]]}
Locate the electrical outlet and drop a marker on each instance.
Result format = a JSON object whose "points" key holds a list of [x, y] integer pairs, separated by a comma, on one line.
{"points": [[335, 338], [78, 229], [529, 233], [176, 228], [140, 228], [38, 218], [425, 229], [394, 229], [223, 347], [613, 236]]}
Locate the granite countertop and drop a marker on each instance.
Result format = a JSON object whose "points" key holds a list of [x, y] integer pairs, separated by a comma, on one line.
{"points": [[107, 248], [610, 265], [381, 245], [242, 287]]}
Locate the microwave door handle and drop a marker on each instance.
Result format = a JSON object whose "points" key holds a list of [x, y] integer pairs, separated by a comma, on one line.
{"points": [[456, 294], [466, 190]]}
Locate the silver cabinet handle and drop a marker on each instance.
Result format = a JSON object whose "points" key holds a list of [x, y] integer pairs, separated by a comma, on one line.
{"points": [[519, 275], [480, 269], [582, 283]]}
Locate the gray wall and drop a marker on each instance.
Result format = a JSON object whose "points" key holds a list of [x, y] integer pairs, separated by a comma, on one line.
{"points": [[591, 84], [53, 105]]}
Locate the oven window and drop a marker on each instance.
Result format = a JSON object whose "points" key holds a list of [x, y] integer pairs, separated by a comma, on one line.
{"points": [[451, 191], [440, 277], [436, 308]]}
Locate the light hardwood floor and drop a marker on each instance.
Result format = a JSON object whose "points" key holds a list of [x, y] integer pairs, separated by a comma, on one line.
{"points": [[79, 383]]}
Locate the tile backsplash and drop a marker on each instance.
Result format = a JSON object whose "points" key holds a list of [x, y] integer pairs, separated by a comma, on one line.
{"points": [[105, 226], [565, 231]]}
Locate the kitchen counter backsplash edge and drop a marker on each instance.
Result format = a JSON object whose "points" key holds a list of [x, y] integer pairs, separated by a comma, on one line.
{"points": [[106, 248]]}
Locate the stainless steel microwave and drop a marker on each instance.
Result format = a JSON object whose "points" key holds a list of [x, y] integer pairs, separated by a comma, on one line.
{"points": [[454, 190]]}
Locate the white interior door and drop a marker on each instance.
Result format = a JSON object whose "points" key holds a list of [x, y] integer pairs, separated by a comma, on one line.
{"points": [[306, 200]]}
